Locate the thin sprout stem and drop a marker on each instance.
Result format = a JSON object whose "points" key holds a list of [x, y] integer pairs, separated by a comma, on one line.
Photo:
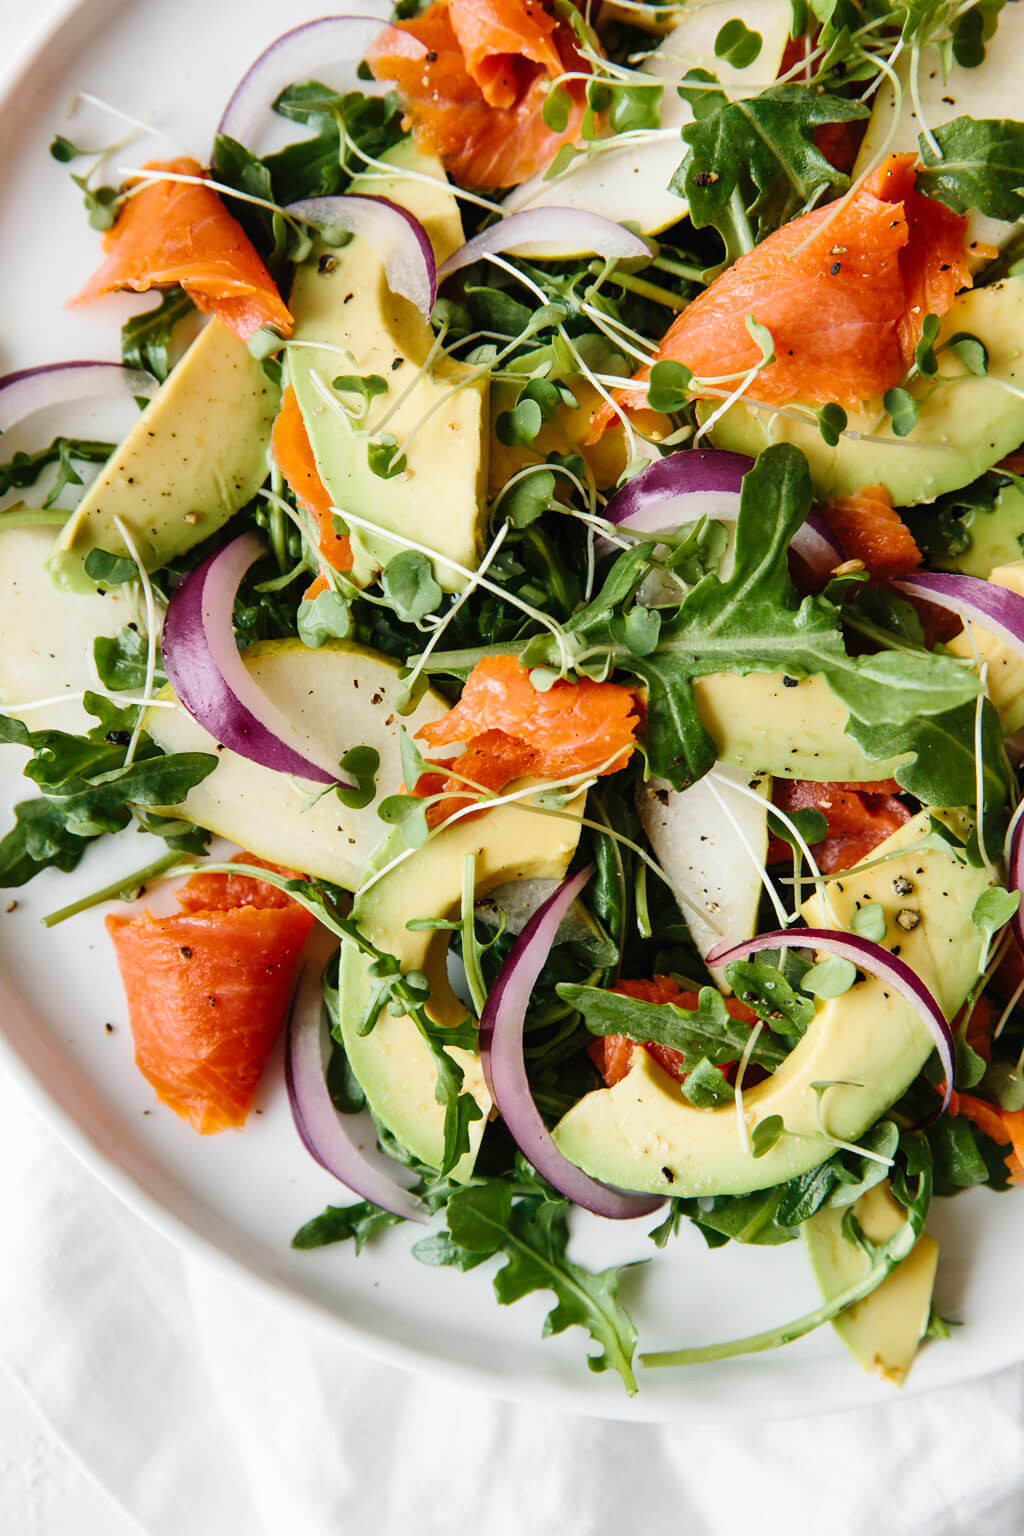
{"points": [[111, 892], [539, 617], [741, 1118], [463, 596], [766, 880], [151, 629], [1011, 1005]]}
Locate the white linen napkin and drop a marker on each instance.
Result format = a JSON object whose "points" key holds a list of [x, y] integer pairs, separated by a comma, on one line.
{"points": [[206, 1408]]}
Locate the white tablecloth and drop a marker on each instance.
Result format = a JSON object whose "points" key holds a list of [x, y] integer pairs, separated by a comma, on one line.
{"points": [[205, 1409]]}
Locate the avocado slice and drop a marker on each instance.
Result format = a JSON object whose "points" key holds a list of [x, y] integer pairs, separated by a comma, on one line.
{"points": [[997, 536], [341, 695], [340, 298], [393, 1064], [195, 456], [47, 639], [1004, 681], [946, 90], [965, 427], [644, 1135], [630, 183], [883, 1331], [763, 722]]}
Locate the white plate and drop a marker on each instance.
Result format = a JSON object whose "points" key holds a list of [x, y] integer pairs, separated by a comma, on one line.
{"points": [[237, 1198]]}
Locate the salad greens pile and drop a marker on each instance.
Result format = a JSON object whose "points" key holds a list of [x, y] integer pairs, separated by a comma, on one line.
{"points": [[666, 610]]}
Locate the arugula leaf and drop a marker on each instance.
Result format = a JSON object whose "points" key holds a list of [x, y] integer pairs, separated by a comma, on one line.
{"points": [[981, 166], [943, 769], [24, 469], [767, 991], [359, 1222], [146, 338], [532, 1234], [121, 659], [703, 1033], [760, 149]]}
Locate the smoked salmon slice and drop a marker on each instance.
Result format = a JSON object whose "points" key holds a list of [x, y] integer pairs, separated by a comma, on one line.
{"points": [[290, 445], [476, 96], [208, 990], [582, 727], [844, 291], [859, 817], [494, 760], [870, 529], [178, 232]]}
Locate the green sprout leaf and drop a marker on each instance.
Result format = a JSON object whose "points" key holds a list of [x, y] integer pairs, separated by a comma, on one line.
{"points": [[868, 922], [831, 977], [409, 585]]}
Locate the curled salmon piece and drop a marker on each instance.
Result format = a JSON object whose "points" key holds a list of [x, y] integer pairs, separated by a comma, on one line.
{"points": [[208, 990], [474, 88], [582, 727], [870, 529], [844, 291], [178, 232], [293, 454]]}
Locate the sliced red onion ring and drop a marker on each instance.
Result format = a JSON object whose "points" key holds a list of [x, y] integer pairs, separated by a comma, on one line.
{"points": [[301, 54], [706, 482], [399, 239], [871, 957], [34, 389], [976, 600], [1015, 872], [535, 228], [323, 1132], [501, 1053], [211, 680]]}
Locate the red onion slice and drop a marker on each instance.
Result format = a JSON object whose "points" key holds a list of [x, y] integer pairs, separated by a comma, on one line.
{"points": [[399, 239], [872, 957], [301, 54], [501, 1053], [211, 680], [535, 228], [976, 600], [1015, 872], [35, 389], [706, 482], [323, 1132]]}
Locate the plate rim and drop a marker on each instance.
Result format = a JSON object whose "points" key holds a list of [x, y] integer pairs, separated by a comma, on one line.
{"points": [[15, 75]]}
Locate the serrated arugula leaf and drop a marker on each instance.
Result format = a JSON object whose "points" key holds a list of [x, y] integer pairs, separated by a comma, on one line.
{"points": [[703, 1033], [532, 1234], [86, 788], [767, 991], [338, 1223], [24, 469], [121, 660], [981, 167], [761, 148], [943, 770], [146, 338]]}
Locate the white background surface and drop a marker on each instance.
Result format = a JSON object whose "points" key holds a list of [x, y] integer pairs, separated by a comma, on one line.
{"points": [[43, 1492]]}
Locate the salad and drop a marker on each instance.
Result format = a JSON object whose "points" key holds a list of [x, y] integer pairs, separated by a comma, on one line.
{"points": [[572, 547]]}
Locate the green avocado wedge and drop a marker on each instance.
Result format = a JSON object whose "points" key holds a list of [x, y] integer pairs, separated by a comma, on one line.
{"points": [[882, 1331], [644, 1135], [393, 1063], [195, 456], [339, 696], [965, 425], [352, 325]]}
